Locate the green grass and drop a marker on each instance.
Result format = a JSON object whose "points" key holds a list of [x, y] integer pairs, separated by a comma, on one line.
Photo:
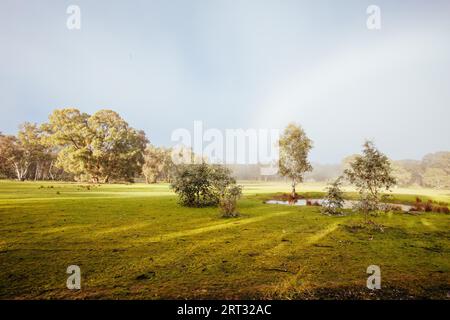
{"points": [[135, 241]]}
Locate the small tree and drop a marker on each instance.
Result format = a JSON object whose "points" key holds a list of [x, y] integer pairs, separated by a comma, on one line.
{"points": [[228, 201], [370, 172], [334, 198], [294, 149]]}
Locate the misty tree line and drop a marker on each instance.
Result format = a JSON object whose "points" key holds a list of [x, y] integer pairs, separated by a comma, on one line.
{"points": [[100, 148], [432, 171]]}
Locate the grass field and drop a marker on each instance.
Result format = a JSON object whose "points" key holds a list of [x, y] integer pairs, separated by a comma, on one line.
{"points": [[135, 241]]}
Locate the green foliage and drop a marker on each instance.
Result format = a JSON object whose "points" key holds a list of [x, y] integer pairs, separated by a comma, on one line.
{"points": [[201, 185], [370, 172], [228, 200], [158, 165], [334, 198], [102, 146], [26, 155], [294, 148], [12, 158]]}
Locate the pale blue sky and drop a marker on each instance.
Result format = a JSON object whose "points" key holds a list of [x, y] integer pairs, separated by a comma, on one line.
{"points": [[237, 64]]}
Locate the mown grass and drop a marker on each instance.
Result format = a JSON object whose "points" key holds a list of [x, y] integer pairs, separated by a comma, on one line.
{"points": [[135, 241]]}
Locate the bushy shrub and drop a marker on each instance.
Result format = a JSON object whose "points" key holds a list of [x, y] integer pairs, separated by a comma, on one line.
{"points": [[334, 198], [428, 206], [228, 200], [444, 209], [423, 206], [201, 185]]}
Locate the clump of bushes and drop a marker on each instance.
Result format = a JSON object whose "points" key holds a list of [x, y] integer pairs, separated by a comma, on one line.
{"points": [[428, 206], [203, 185], [288, 197], [441, 209], [228, 201]]}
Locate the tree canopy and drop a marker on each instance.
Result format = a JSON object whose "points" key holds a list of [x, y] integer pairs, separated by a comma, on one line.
{"points": [[294, 149], [102, 146], [200, 185], [158, 165], [370, 172]]}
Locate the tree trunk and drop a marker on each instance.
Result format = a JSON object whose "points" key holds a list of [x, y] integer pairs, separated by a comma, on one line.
{"points": [[293, 189], [20, 171], [50, 171], [37, 172]]}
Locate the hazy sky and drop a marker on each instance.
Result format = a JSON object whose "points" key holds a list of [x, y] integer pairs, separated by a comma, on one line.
{"points": [[237, 64]]}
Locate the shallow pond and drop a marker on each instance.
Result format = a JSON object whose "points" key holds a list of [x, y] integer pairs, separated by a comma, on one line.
{"points": [[348, 204]]}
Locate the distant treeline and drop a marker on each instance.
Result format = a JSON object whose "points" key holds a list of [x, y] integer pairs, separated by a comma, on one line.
{"points": [[432, 171], [101, 148]]}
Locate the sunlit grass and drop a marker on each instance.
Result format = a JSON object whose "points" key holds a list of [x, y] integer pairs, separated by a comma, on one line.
{"points": [[117, 233]]}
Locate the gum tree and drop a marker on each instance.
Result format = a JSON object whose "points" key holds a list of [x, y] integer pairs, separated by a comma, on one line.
{"points": [[23, 155], [370, 173], [158, 164], [294, 148], [334, 198], [101, 146]]}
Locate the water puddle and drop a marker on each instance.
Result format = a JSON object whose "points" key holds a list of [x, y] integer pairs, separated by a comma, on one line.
{"points": [[348, 204]]}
